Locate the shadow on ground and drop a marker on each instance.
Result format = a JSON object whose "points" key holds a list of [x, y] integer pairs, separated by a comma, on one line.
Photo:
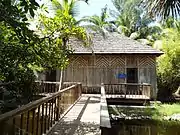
{"points": [[77, 127], [74, 128]]}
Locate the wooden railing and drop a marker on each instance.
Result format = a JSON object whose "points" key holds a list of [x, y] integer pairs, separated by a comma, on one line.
{"points": [[37, 117], [104, 113], [87, 89], [128, 90], [50, 87]]}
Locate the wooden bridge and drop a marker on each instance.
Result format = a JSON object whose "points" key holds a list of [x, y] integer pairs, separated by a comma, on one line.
{"points": [[69, 111]]}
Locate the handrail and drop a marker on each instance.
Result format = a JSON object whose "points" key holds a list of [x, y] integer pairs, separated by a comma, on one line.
{"points": [[50, 87], [139, 84], [128, 90], [71, 82], [31, 105], [47, 82], [104, 114], [50, 107]]}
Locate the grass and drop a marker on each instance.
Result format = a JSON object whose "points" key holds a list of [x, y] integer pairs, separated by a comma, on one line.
{"points": [[157, 113], [167, 109], [157, 124]]}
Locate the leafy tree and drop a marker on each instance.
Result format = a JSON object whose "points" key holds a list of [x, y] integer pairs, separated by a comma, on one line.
{"points": [[169, 64], [56, 33], [169, 23], [15, 14], [16, 42], [68, 9], [162, 8], [23, 52]]}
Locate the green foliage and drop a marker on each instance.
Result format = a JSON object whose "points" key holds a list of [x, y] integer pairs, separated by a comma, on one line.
{"points": [[127, 15], [168, 109], [15, 14], [23, 52], [131, 19], [56, 33], [98, 24], [69, 7], [16, 58], [156, 112], [162, 8], [17, 44], [169, 63]]}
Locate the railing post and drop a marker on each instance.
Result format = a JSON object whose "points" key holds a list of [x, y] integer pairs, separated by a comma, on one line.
{"points": [[149, 91], [79, 89], [102, 85], [143, 92], [125, 90]]}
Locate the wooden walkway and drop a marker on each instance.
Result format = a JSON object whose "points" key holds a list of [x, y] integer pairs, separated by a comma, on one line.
{"points": [[82, 119]]}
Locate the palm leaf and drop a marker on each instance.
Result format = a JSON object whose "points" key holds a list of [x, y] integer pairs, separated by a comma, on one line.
{"points": [[124, 30], [68, 6], [97, 29], [73, 8], [163, 8], [56, 5], [91, 19], [104, 14], [119, 4]]}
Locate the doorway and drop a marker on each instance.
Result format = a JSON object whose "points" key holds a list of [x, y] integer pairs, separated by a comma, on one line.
{"points": [[132, 77]]}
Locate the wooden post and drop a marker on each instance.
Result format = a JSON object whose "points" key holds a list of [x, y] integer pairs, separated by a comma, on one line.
{"points": [[60, 79]]}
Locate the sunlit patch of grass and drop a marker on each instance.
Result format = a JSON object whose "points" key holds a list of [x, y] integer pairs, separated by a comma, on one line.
{"points": [[157, 113], [168, 109]]}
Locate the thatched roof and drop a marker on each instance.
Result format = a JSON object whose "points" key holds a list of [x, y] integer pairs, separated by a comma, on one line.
{"points": [[113, 44]]}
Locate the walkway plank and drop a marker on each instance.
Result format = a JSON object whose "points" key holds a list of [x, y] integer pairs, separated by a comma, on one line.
{"points": [[82, 119]]}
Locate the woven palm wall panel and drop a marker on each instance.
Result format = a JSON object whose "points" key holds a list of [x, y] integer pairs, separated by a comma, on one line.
{"points": [[105, 68], [147, 61], [79, 61], [110, 61]]}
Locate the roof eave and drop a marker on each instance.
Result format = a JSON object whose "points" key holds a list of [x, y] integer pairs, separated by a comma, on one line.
{"points": [[118, 53]]}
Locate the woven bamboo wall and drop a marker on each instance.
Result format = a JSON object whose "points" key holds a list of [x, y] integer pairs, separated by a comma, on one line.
{"points": [[92, 70]]}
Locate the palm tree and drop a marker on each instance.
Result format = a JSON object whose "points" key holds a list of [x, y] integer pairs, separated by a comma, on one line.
{"points": [[133, 21], [129, 17], [96, 23], [69, 7], [66, 7], [163, 8]]}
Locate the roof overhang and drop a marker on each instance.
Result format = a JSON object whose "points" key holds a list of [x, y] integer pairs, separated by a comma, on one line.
{"points": [[116, 53]]}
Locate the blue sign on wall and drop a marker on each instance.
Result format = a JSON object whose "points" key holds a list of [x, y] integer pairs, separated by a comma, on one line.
{"points": [[121, 76]]}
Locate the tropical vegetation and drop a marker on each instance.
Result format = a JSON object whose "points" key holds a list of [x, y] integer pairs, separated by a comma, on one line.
{"points": [[99, 24], [168, 64], [162, 8], [24, 51]]}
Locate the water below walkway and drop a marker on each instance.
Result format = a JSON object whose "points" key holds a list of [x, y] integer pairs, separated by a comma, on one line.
{"points": [[133, 120], [82, 119]]}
